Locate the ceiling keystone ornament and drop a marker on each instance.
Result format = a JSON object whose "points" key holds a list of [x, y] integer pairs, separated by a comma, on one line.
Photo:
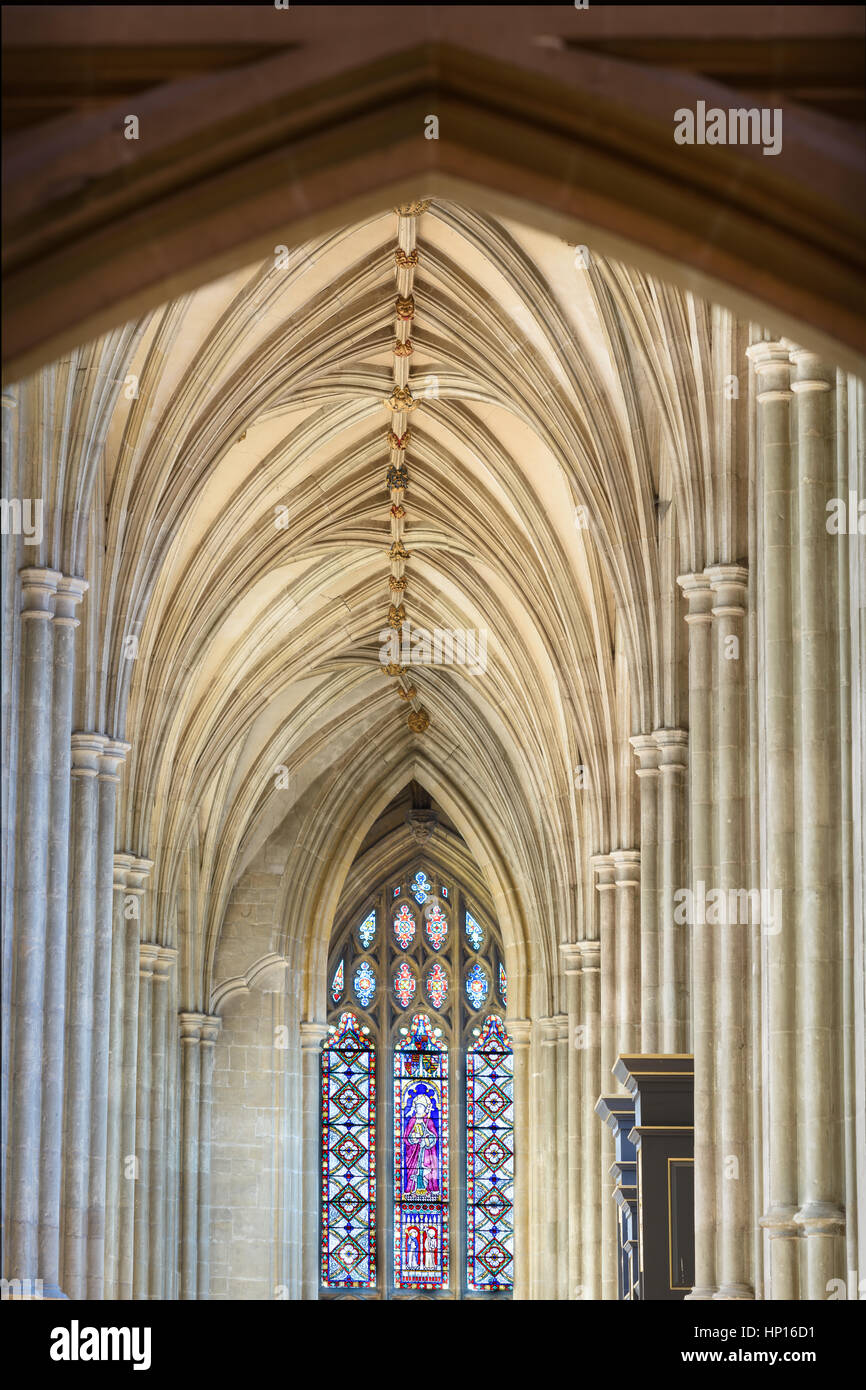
{"points": [[398, 478], [399, 441], [393, 668], [405, 307], [405, 258], [419, 721], [396, 615], [404, 349], [412, 209], [407, 694], [401, 399]]}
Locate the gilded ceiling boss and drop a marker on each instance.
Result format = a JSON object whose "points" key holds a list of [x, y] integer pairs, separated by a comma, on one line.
{"points": [[401, 403]]}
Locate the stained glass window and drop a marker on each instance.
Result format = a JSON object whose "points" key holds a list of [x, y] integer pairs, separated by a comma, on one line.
{"points": [[365, 984], [474, 932], [348, 1158], [433, 994], [476, 986], [404, 985], [404, 927], [490, 1159], [421, 1159], [367, 931], [436, 926]]}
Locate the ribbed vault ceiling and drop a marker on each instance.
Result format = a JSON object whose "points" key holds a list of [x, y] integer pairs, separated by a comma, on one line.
{"points": [[547, 387]]}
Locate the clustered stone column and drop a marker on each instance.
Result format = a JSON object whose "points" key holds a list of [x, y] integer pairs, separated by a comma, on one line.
{"points": [[198, 1033], [603, 864], [698, 592], [820, 1217]]}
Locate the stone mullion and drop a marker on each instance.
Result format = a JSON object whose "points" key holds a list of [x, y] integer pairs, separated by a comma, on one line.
{"points": [[87, 749], [209, 1034], [111, 758], [69, 594], [729, 584], [604, 1146], [590, 954], [38, 587], [673, 979], [698, 592], [128, 1164], [312, 1037], [571, 959], [819, 1105], [520, 1031], [772, 366], [650, 972]]}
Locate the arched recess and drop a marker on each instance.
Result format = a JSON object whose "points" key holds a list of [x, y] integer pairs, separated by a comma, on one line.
{"points": [[99, 229]]}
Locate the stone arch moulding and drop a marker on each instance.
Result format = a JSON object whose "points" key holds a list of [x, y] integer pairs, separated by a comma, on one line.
{"points": [[269, 974], [98, 231]]}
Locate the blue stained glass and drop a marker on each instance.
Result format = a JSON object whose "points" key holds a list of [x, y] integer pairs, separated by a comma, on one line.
{"points": [[365, 984], [337, 983], [476, 986], [367, 931], [474, 931], [348, 1159], [490, 1160], [421, 1159], [420, 887]]}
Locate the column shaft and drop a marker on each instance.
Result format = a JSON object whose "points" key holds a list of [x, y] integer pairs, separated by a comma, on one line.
{"points": [[773, 372], [31, 877], [700, 784]]}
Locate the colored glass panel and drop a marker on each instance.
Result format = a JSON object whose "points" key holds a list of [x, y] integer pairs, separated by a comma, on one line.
{"points": [[437, 986], [404, 927], [476, 986], [503, 985], [421, 1159], [348, 1159], [337, 983], [396, 892], [405, 985], [436, 926], [475, 932], [445, 892], [367, 931], [365, 984], [420, 887], [490, 1160]]}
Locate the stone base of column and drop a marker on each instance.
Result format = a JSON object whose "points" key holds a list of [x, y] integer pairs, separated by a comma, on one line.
{"points": [[699, 1296], [735, 1292]]}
